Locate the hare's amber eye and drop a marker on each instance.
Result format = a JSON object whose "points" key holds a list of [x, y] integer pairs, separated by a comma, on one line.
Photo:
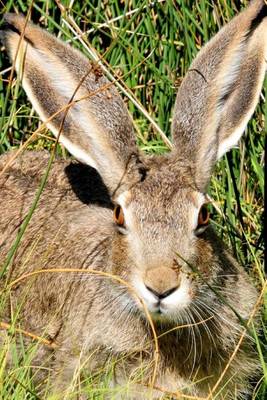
{"points": [[118, 215], [203, 216]]}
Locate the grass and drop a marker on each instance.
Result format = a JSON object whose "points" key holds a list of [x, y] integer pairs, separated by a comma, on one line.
{"points": [[151, 46]]}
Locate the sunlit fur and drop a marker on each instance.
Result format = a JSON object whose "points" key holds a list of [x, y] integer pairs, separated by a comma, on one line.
{"points": [[188, 283]]}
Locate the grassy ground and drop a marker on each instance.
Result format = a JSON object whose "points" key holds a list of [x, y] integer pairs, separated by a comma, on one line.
{"points": [[151, 45]]}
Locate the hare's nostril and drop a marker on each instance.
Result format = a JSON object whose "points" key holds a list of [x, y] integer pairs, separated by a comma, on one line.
{"points": [[161, 296]]}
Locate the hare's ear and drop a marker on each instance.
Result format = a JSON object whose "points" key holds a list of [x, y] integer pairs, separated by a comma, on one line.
{"points": [[221, 90], [94, 124]]}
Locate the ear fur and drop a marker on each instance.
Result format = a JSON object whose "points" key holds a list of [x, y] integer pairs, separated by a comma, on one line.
{"points": [[221, 90], [96, 127]]}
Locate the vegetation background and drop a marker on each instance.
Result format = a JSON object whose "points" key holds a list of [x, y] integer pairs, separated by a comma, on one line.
{"points": [[150, 46]]}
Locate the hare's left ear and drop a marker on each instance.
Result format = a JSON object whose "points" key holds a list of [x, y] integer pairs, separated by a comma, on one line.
{"points": [[78, 104], [220, 91]]}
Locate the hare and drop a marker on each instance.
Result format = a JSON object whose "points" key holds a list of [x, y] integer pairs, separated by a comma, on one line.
{"points": [[140, 222]]}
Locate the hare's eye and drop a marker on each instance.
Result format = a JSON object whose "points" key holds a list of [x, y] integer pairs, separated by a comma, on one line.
{"points": [[203, 219], [203, 216], [118, 215]]}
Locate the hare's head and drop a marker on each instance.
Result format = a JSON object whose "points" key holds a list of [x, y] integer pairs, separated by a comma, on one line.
{"points": [[159, 218]]}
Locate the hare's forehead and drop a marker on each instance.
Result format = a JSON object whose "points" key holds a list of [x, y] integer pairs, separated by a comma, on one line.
{"points": [[160, 204]]}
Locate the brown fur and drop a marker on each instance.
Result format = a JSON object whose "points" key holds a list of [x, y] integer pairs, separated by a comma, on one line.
{"points": [[96, 318]]}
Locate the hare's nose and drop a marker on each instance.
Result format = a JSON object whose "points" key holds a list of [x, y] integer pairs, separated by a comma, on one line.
{"points": [[161, 296], [162, 281]]}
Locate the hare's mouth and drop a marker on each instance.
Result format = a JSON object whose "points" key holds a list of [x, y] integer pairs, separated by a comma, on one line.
{"points": [[167, 305]]}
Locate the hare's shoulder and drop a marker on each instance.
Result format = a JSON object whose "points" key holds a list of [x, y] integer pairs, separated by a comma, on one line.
{"points": [[73, 211]]}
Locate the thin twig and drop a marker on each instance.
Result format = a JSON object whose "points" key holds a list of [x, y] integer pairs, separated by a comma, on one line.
{"points": [[49, 343]]}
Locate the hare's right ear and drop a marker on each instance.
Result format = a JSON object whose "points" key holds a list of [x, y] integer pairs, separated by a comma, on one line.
{"points": [[96, 127], [221, 90]]}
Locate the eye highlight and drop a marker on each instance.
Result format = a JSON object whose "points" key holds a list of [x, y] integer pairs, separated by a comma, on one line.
{"points": [[118, 215]]}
